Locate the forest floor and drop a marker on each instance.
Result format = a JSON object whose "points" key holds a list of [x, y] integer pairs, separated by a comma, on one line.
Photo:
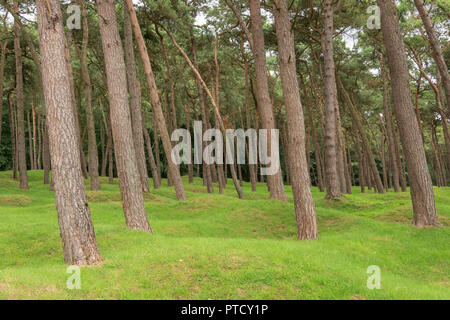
{"points": [[219, 247]]}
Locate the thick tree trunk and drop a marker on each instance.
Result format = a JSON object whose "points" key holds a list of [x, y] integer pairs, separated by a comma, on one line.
{"points": [[134, 90], [20, 137], [174, 171], [265, 107], [421, 185], [129, 178], [330, 144], [76, 229], [303, 200], [87, 89]]}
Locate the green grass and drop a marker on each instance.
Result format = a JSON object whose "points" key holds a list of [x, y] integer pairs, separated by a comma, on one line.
{"points": [[220, 247]]}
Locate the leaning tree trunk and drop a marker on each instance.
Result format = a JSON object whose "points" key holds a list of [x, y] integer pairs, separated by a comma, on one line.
{"points": [[299, 173], [174, 171], [357, 120], [265, 107], [330, 143], [74, 217], [134, 89], [92, 139], [435, 49], [215, 107], [20, 137], [129, 182], [420, 180]]}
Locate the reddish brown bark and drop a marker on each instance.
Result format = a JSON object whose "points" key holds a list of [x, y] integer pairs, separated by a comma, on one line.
{"points": [[76, 229], [129, 178]]}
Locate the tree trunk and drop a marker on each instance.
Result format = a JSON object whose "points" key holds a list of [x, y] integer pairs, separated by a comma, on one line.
{"points": [[46, 154], [303, 200], [12, 126], [74, 217], [436, 50], [153, 167], [4, 47], [330, 144], [87, 89], [420, 180], [174, 171], [215, 107], [30, 142], [390, 126], [134, 89], [20, 137], [265, 107], [357, 120], [129, 178], [252, 167]]}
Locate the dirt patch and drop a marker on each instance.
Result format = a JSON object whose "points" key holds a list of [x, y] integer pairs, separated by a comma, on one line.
{"points": [[152, 198], [14, 200], [403, 215]]}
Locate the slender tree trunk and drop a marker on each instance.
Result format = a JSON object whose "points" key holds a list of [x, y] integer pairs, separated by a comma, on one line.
{"points": [[174, 171], [390, 126], [129, 178], [188, 126], [435, 49], [421, 185], [12, 126], [303, 200], [217, 91], [21, 149], [104, 148], [30, 142], [330, 144], [39, 142], [33, 113], [215, 107], [134, 89], [357, 120], [153, 167], [4, 47], [252, 167], [46, 154], [265, 107], [87, 89], [74, 217]]}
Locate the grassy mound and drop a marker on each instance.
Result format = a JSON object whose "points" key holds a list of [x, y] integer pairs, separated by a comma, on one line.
{"points": [[219, 247]]}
